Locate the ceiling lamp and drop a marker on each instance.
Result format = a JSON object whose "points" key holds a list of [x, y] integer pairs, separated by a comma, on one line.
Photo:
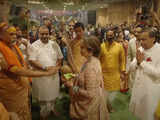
{"points": [[35, 2], [69, 4]]}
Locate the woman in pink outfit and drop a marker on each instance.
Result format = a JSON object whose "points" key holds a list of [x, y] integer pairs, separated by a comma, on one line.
{"points": [[87, 99]]}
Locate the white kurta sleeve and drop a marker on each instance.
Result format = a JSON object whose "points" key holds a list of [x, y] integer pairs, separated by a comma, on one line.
{"points": [[29, 48], [59, 53], [151, 70], [129, 56], [32, 52], [133, 65]]}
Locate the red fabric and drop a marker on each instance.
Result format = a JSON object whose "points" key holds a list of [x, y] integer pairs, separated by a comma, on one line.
{"points": [[124, 90], [149, 59]]}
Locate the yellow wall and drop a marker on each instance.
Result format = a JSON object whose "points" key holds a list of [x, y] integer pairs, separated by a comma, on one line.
{"points": [[4, 10], [116, 13]]}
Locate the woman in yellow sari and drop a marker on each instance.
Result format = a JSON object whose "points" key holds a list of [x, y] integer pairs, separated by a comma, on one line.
{"points": [[14, 84]]}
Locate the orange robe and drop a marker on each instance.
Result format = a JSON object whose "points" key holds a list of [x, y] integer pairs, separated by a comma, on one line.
{"points": [[14, 89], [3, 113]]}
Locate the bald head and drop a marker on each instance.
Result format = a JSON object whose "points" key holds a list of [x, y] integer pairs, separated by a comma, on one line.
{"points": [[43, 28], [138, 29], [44, 34]]}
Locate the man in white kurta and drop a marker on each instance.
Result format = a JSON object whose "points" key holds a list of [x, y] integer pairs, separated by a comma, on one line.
{"points": [[146, 89], [132, 54], [45, 54]]}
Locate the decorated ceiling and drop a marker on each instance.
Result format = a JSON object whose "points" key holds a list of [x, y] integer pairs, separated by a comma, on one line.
{"points": [[66, 4]]}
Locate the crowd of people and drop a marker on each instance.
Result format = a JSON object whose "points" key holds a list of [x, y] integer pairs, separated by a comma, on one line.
{"points": [[93, 63]]}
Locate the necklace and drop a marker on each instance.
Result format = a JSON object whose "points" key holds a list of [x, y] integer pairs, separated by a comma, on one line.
{"points": [[84, 65]]}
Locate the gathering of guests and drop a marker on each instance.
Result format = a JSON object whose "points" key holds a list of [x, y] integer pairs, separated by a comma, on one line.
{"points": [[103, 61]]}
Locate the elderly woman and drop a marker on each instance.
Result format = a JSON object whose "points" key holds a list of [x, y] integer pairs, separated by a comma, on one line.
{"points": [[14, 84], [87, 100]]}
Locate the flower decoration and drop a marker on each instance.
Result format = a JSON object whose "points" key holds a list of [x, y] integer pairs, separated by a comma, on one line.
{"points": [[149, 59]]}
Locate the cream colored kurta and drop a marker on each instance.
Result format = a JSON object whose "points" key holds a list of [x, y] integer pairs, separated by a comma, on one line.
{"points": [[130, 57], [113, 62], [46, 88], [146, 89], [132, 49]]}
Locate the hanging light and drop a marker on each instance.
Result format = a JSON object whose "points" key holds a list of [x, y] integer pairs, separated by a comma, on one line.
{"points": [[69, 4], [35, 2]]}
